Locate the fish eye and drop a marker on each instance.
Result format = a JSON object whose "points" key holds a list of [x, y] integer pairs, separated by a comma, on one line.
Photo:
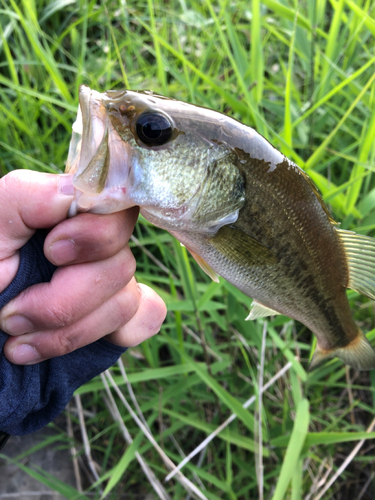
{"points": [[153, 129]]}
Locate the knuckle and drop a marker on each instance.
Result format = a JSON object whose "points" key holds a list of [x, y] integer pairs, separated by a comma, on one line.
{"points": [[18, 181], [9, 184], [125, 268], [65, 344], [59, 314], [116, 273], [11, 180]]}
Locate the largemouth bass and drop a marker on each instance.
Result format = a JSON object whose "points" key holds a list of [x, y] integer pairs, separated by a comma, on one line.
{"points": [[243, 210]]}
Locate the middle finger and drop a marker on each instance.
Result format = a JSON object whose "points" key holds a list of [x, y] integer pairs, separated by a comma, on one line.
{"points": [[89, 237], [36, 347]]}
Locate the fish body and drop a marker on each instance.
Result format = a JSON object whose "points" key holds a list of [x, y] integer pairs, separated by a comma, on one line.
{"points": [[244, 210]]}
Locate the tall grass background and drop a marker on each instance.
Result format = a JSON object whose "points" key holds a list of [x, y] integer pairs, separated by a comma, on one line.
{"points": [[302, 74]]}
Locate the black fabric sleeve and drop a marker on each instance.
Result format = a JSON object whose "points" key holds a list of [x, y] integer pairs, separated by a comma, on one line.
{"points": [[32, 396]]}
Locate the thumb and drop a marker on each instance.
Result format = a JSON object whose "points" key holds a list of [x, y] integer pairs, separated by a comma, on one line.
{"points": [[30, 200]]}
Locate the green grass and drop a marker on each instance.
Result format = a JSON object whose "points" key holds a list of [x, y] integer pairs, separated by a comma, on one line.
{"points": [[302, 74]]}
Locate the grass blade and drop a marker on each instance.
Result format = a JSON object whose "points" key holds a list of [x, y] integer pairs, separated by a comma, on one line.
{"points": [[292, 455]]}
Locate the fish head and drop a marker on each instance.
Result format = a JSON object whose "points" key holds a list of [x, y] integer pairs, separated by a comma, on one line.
{"points": [[172, 159]]}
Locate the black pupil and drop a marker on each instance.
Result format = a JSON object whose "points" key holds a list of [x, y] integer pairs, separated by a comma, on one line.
{"points": [[153, 129]]}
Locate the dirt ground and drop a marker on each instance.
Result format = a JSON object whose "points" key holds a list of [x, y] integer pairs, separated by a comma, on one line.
{"points": [[16, 484]]}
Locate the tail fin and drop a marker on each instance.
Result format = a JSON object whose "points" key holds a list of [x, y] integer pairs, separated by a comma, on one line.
{"points": [[359, 354]]}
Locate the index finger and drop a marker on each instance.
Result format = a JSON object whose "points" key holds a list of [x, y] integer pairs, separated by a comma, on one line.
{"points": [[89, 237]]}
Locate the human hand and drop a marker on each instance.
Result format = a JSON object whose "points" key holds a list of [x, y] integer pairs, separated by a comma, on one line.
{"points": [[92, 295]]}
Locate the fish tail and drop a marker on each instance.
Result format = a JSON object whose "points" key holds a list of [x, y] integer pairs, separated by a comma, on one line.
{"points": [[358, 353]]}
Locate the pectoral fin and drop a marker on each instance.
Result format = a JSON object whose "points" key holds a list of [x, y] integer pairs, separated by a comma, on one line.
{"points": [[260, 311], [360, 254], [241, 248], [359, 354]]}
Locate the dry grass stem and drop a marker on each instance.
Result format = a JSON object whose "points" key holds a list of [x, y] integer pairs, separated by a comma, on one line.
{"points": [[85, 438], [181, 452], [190, 332], [317, 480], [346, 462], [131, 393], [73, 450], [366, 485], [115, 412], [242, 339], [225, 424], [152, 257], [167, 461]]}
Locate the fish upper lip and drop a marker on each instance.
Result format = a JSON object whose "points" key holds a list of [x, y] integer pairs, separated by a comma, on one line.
{"points": [[75, 148], [84, 99], [94, 124]]}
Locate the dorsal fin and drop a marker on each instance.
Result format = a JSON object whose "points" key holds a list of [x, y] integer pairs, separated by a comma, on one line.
{"points": [[319, 196], [260, 311], [360, 254]]}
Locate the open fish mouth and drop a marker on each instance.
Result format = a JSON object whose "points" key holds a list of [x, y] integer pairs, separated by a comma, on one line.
{"points": [[89, 130], [94, 145]]}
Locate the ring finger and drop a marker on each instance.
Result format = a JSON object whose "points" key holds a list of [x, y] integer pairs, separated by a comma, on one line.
{"points": [[34, 347]]}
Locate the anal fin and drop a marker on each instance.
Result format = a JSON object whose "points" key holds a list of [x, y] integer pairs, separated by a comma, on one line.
{"points": [[260, 311], [359, 354]]}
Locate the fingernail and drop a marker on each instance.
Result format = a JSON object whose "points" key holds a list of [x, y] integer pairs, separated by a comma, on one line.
{"points": [[63, 252], [17, 325], [65, 183], [25, 354]]}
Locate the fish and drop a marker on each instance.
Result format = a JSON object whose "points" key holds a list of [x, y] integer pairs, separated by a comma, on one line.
{"points": [[243, 210]]}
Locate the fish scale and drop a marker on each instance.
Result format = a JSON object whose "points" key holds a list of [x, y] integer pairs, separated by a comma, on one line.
{"points": [[243, 210]]}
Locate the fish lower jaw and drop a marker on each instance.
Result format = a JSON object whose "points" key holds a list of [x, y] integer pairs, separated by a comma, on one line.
{"points": [[108, 202]]}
